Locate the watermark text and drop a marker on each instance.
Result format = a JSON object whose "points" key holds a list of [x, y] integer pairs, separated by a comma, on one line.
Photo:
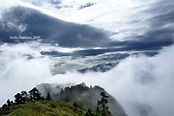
{"points": [[25, 37]]}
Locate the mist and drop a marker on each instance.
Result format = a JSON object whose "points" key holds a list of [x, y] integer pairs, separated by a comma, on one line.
{"points": [[142, 85]]}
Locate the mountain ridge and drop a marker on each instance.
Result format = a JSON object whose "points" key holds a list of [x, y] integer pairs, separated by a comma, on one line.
{"points": [[82, 95]]}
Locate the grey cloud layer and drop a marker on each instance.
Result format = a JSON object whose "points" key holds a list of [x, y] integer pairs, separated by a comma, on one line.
{"points": [[66, 34], [53, 30]]}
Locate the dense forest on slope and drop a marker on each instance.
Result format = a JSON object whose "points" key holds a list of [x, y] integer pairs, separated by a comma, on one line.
{"points": [[77, 100], [82, 95]]}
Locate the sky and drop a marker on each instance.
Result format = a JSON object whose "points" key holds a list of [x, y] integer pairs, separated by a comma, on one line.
{"points": [[86, 33], [128, 23]]}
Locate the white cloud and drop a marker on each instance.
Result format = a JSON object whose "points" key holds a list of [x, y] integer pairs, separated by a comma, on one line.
{"points": [[124, 19], [6, 5], [106, 14], [11, 23], [138, 83]]}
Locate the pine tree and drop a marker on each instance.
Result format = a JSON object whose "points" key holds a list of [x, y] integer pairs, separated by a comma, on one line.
{"points": [[48, 97], [103, 103], [25, 97], [18, 98], [35, 94], [8, 102]]}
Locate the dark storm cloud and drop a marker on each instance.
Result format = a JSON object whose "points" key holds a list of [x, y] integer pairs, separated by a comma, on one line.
{"points": [[52, 30]]}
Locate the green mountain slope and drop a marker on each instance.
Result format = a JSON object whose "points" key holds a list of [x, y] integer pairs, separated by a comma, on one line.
{"points": [[43, 108], [77, 100], [83, 95]]}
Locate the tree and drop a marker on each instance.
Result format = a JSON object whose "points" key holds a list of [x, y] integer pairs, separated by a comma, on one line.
{"points": [[103, 103], [9, 103], [103, 100], [25, 97], [42, 98], [35, 94], [48, 97], [4, 105], [18, 98], [97, 111]]}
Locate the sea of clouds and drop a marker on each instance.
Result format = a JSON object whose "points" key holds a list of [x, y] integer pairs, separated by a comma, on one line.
{"points": [[142, 85]]}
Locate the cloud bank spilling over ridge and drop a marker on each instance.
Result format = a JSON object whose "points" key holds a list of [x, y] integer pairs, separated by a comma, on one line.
{"points": [[143, 85]]}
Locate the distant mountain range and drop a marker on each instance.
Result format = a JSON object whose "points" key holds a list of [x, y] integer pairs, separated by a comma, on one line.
{"points": [[98, 68]]}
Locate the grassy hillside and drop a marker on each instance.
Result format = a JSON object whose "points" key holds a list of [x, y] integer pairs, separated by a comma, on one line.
{"points": [[88, 101], [43, 108]]}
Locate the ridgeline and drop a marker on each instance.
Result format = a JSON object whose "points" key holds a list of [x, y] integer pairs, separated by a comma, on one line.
{"points": [[78, 100]]}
